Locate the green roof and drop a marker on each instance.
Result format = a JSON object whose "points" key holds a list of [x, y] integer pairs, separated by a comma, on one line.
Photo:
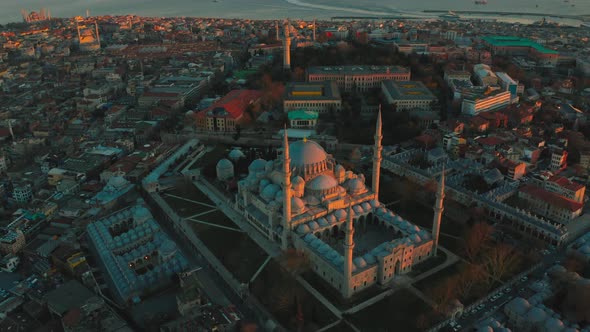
{"points": [[302, 115], [244, 74], [516, 42]]}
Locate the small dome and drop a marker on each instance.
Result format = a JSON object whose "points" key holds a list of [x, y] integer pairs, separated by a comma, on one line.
{"points": [[554, 324], [359, 262], [279, 195], [303, 229], [313, 225], [298, 180], [297, 205], [585, 249], [356, 186], [270, 165], [224, 163], [519, 306], [416, 239], [236, 154], [257, 165], [321, 183], [536, 315], [323, 222], [141, 213], [340, 214]]}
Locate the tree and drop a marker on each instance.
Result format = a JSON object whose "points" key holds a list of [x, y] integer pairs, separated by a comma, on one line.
{"points": [[468, 278], [475, 239], [500, 261]]}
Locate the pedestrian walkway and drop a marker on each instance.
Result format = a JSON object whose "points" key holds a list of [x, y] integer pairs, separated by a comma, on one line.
{"points": [[228, 209], [260, 269], [201, 213], [422, 296], [216, 225], [319, 297], [189, 200]]}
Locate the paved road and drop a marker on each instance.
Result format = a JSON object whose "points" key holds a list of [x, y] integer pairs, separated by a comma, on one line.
{"points": [[518, 289]]}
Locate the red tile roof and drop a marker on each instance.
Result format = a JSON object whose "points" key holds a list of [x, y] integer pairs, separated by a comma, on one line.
{"points": [[491, 140], [566, 183], [552, 198], [234, 104]]}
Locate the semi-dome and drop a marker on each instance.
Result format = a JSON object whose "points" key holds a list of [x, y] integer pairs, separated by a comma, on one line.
{"points": [[141, 213], [356, 186], [269, 192], [518, 306], [297, 205], [257, 165], [359, 262], [322, 182], [306, 152]]}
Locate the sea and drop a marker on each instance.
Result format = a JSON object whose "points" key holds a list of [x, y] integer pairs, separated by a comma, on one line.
{"points": [[10, 10]]}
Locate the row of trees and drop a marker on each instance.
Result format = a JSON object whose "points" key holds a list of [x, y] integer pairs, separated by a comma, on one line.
{"points": [[488, 263]]}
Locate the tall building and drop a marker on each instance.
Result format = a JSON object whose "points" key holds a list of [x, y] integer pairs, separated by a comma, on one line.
{"points": [[287, 46], [438, 212], [377, 155], [358, 78]]}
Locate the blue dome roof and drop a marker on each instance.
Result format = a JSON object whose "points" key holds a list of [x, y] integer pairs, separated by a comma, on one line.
{"points": [[257, 165], [322, 182], [306, 153], [224, 163], [269, 192]]}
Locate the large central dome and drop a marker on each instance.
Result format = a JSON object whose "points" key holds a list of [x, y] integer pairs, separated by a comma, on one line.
{"points": [[306, 153]]}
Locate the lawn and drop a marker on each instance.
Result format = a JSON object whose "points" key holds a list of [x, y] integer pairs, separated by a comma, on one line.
{"points": [[286, 299], [402, 311], [236, 251]]}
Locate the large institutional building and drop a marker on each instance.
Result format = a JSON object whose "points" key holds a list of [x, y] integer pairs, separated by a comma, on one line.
{"points": [[308, 201], [359, 78], [321, 97], [516, 46], [407, 95]]}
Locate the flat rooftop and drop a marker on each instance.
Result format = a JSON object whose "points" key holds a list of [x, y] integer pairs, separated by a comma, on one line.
{"points": [[414, 90], [327, 90], [513, 41], [357, 70]]}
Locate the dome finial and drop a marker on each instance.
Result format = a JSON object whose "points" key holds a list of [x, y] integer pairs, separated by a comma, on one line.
{"points": [[304, 139]]}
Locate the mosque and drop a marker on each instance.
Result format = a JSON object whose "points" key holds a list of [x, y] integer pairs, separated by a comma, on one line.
{"points": [[307, 201]]}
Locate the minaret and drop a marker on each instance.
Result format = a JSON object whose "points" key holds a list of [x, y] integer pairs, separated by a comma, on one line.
{"points": [[348, 253], [438, 212], [314, 29], [377, 155], [286, 191], [277, 31], [287, 47]]}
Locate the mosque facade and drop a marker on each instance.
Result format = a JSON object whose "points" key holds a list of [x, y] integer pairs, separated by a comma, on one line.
{"points": [[307, 201]]}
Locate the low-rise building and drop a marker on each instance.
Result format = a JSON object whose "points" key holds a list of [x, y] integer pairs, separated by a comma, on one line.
{"points": [[549, 204], [321, 97], [358, 78], [477, 101], [134, 253], [226, 113], [302, 119], [407, 95]]}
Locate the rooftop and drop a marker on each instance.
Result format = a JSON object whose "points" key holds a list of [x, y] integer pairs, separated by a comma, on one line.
{"points": [[327, 90], [408, 90], [357, 70], [68, 296], [551, 198], [513, 41]]}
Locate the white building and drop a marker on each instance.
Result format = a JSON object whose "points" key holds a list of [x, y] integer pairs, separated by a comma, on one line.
{"points": [[22, 193], [476, 102]]}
